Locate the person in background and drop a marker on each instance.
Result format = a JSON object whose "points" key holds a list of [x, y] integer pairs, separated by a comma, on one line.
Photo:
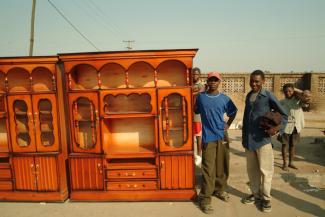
{"points": [[198, 86], [290, 134], [212, 105], [257, 141]]}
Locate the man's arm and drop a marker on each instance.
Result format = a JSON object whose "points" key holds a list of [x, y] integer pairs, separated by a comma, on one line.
{"points": [[197, 105], [231, 113], [230, 120], [276, 105]]}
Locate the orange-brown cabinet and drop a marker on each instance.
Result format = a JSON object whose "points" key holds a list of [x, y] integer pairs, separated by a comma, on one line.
{"points": [[33, 137], [130, 115]]}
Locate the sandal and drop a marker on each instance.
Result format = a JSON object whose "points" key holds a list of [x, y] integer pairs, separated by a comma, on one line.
{"points": [[207, 208], [222, 195]]}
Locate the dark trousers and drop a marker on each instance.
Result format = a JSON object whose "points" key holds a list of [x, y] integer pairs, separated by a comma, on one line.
{"points": [[215, 168], [290, 140]]}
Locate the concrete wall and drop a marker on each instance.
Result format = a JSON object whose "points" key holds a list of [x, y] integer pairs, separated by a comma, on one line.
{"points": [[236, 85]]}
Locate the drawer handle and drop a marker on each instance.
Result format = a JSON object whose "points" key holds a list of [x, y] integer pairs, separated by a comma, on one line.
{"points": [[100, 168], [127, 174]]}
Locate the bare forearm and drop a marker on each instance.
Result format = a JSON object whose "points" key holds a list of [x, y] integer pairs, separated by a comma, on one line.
{"points": [[231, 119]]}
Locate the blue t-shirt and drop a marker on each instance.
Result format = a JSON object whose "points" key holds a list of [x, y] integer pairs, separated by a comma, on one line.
{"points": [[212, 109]]}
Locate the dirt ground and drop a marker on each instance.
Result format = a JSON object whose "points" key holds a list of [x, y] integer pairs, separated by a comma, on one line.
{"points": [[296, 193]]}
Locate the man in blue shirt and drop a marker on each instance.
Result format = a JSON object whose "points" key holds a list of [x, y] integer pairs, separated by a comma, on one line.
{"points": [[257, 141], [212, 105]]}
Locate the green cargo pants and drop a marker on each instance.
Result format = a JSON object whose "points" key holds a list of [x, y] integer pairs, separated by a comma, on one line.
{"points": [[215, 169]]}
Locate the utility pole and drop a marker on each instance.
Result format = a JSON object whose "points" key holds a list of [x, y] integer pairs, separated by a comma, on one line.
{"points": [[129, 45], [31, 42]]}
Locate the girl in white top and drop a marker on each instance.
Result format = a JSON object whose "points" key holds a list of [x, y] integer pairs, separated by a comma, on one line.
{"points": [[290, 134]]}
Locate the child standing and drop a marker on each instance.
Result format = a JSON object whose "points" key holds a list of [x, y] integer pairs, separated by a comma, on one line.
{"points": [[198, 86], [290, 134]]}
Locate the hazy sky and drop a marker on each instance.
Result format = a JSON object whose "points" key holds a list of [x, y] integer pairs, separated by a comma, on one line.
{"points": [[232, 35]]}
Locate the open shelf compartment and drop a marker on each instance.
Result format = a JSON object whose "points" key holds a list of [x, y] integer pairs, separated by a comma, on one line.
{"points": [[128, 102], [129, 137]]}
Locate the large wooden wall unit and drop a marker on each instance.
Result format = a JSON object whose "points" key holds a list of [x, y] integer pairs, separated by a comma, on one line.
{"points": [[33, 144], [130, 117]]}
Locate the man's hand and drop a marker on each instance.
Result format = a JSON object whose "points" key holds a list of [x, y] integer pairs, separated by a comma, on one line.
{"points": [[226, 126], [272, 131]]}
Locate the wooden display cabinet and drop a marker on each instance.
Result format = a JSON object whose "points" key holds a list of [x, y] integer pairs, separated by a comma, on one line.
{"points": [[33, 144], [130, 115]]}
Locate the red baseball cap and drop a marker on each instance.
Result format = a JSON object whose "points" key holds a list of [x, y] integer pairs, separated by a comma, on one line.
{"points": [[214, 74]]}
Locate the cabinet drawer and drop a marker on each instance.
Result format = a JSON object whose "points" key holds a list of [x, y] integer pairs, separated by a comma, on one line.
{"points": [[136, 174], [4, 165], [129, 186], [6, 186], [5, 174]]}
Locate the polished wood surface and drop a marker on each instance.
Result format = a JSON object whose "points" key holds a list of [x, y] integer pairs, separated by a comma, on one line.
{"points": [[130, 118], [119, 123], [86, 173], [33, 165]]}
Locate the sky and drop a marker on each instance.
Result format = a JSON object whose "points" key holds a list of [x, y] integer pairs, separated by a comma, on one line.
{"points": [[231, 35]]}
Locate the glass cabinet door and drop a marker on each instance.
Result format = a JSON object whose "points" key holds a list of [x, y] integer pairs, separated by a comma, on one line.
{"points": [[4, 141], [175, 128], [21, 123], [45, 120], [85, 122]]}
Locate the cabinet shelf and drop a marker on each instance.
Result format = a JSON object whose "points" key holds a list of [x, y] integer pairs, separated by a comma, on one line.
{"points": [[84, 120], [133, 163], [22, 132], [174, 129], [172, 108], [129, 115], [20, 113], [3, 114], [45, 112], [131, 151], [47, 131], [127, 155]]}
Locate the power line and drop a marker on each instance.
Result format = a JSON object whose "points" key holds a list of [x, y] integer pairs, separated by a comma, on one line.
{"points": [[106, 17], [97, 19], [73, 26]]}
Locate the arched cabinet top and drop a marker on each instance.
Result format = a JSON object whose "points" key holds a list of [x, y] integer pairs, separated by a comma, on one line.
{"points": [[28, 74], [127, 59], [29, 64]]}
